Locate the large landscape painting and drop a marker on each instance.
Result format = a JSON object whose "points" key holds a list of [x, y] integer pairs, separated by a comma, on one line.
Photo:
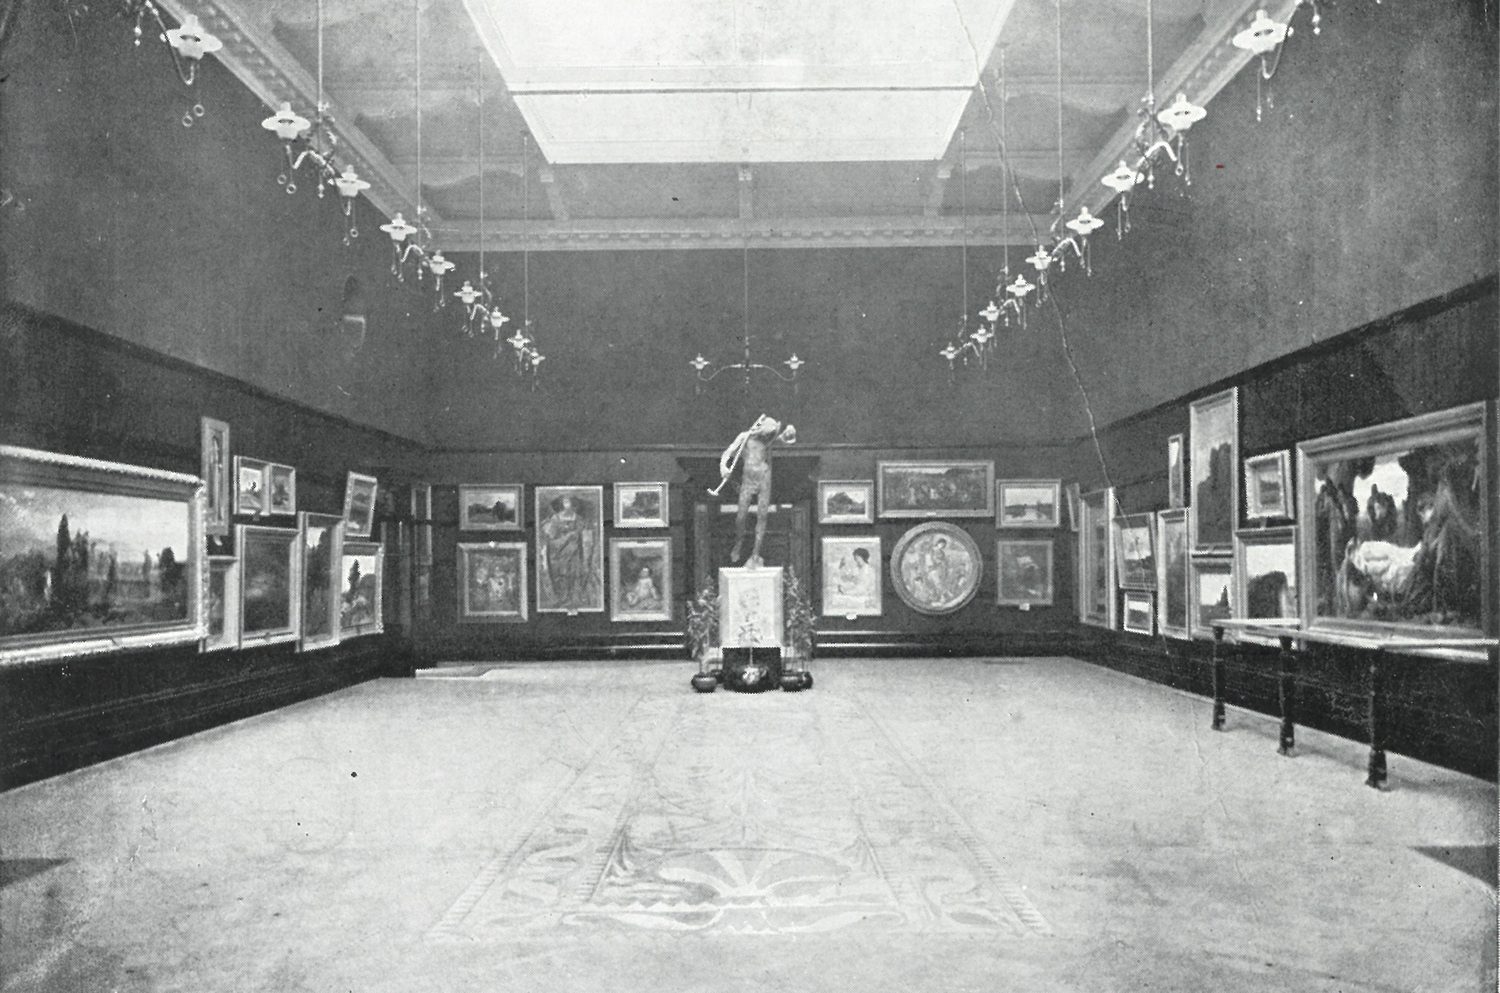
{"points": [[78, 562], [936, 489], [1214, 435]]}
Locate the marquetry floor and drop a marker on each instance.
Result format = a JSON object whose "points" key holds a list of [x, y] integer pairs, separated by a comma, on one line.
{"points": [[1009, 824]]}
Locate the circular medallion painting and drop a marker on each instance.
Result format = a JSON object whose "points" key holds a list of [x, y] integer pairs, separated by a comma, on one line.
{"points": [[935, 567]]}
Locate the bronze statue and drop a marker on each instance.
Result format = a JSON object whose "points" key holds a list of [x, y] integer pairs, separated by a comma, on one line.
{"points": [[754, 448]]}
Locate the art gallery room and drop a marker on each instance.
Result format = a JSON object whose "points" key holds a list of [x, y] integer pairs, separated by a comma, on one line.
{"points": [[754, 495]]}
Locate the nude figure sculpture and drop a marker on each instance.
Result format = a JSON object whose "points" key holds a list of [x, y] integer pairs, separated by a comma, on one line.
{"points": [[753, 448]]}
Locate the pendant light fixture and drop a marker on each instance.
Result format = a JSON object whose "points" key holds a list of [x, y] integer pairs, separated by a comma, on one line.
{"points": [[481, 309], [186, 45], [747, 365], [526, 356]]}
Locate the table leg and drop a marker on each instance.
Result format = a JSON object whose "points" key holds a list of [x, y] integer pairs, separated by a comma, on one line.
{"points": [[1288, 695], [1376, 687], [1218, 671]]}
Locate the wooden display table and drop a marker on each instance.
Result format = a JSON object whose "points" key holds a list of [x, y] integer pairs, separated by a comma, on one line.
{"points": [[1288, 633]]}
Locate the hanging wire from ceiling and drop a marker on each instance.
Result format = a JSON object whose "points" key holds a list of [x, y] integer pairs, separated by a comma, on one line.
{"points": [[527, 357]]}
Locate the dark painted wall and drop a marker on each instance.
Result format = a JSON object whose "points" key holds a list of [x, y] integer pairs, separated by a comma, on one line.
{"points": [[68, 389], [178, 238]]}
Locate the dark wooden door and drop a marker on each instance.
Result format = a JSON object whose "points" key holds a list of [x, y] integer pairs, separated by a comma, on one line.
{"points": [[788, 541]]}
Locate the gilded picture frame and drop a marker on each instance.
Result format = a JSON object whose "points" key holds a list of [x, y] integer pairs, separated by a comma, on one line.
{"points": [[361, 590], [492, 582], [491, 507], [1028, 503], [359, 505], [1213, 504], [1268, 487], [642, 505], [641, 587], [1172, 609], [1138, 612], [569, 549], [321, 546], [222, 604], [1265, 576], [270, 584], [931, 489], [852, 571], [216, 467], [1024, 573], [1097, 589], [846, 501], [936, 568]]}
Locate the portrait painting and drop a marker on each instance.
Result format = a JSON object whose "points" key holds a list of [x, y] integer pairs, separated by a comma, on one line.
{"points": [[492, 584], [222, 611], [846, 501], [1176, 481], [935, 489], [1172, 573], [1029, 503], [1265, 576], [642, 579], [360, 592], [1024, 569], [250, 486], [270, 601], [1096, 572], [281, 489], [96, 555], [215, 471], [1398, 541], [321, 547], [1213, 431], [750, 608], [490, 507], [1140, 612], [359, 505], [1210, 588], [641, 505], [851, 576], [1268, 486], [569, 549], [1135, 551], [935, 568]]}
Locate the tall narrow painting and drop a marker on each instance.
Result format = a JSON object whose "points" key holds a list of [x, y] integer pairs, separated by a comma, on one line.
{"points": [[270, 584], [360, 589], [569, 549], [1096, 603], [1172, 573], [215, 470], [322, 545], [96, 556], [1213, 431], [359, 505]]}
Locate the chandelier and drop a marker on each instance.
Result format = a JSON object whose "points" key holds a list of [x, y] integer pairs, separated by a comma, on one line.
{"points": [[527, 357], [976, 344], [186, 44], [747, 365], [482, 311]]}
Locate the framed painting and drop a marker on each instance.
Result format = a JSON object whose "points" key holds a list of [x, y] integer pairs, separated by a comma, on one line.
{"points": [[1175, 478], [1268, 486], [359, 505], [1172, 573], [270, 585], [750, 608], [935, 568], [250, 486], [492, 584], [1397, 543], [1213, 430], [96, 556], [490, 507], [1075, 512], [641, 505], [846, 501], [1139, 612], [1096, 571], [569, 549], [1024, 569], [1210, 586], [1265, 575], [222, 612], [1135, 551], [214, 461], [421, 503], [1028, 503], [361, 590], [935, 489], [642, 573], [322, 575], [851, 576], [281, 489]]}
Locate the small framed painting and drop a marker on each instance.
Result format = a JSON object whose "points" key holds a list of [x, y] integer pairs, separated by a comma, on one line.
{"points": [[1210, 585], [217, 505], [935, 489], [851, 576], [270, 584], [1075, 511], [1268, 486], [642, 572], [361, 597], [250, 486], [641, 505], [1140, 612], [1135, 551], [846, 501], [1175, 479], [492, 582], [359, 505], [322, 553], [1028, 503], [1172, 573], [281, 489], [490, 507], [1025, 571], [223, 630], [1265, 575]]}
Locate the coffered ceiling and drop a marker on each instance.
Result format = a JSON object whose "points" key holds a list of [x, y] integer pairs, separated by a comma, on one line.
{"points": [[689, 124]]}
